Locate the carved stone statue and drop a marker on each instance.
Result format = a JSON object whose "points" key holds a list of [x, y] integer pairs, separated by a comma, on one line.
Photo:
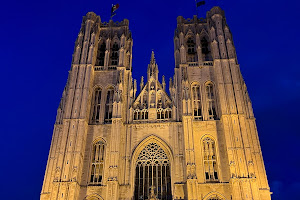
{"points": [[152, 195]]}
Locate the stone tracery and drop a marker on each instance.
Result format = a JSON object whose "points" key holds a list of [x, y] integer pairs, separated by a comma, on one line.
{"points": [[152, 173]]}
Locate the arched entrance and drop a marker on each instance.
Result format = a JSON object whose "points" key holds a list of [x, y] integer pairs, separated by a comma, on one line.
{"points": [[93, 197], [152, 176]]}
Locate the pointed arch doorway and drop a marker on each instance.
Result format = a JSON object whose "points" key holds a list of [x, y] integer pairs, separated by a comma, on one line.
{"points": [[152, 175]]}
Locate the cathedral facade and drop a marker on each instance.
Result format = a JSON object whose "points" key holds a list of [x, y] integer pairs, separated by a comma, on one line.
{"points": [[198, 141]]}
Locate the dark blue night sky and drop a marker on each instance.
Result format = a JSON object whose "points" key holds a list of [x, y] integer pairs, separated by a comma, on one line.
{"points": [[37, 41]]}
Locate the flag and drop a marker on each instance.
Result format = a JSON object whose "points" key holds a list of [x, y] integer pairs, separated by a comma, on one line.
{"points": [[200, 3], [113, 9]]}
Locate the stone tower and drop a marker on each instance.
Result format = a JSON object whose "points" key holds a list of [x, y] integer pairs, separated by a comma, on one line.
{"points": [[199, 141]]}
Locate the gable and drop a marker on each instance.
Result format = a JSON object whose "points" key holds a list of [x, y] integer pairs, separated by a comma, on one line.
{"points": [[152, 96]]}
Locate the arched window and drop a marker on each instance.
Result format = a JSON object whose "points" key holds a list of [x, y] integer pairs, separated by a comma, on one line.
{"points": [[101, 54], [128, 60], [168, 113], [191, 52], [98, 158], [197, 108], [205, 50], [159, 100], [152, 86], [190, 46], [209, 159], [152, 177], [96, 105], [136, 114], [144, 114], [109, 105], [152, 99], [145, 100], [140, 114], [211, 103], [160, 113], [164, 113], [114, 54]]}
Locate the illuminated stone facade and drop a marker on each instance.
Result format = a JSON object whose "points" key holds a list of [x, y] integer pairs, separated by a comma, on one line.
{"points": [[199, 141]]}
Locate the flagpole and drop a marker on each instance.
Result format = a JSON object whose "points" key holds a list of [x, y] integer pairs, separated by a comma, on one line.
{"points": [[196, 8], [114, 7], [111, 11], [198, 4]]}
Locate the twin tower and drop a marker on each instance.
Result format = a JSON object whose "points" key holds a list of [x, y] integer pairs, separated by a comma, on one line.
{"points": [[198, 141]]}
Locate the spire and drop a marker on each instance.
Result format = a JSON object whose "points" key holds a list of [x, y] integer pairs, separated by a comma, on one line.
{"points": [[152, 58], [142, 83], [152, 67], [134, 88], [163, 82]]}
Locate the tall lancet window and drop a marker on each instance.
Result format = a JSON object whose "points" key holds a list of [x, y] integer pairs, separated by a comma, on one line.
{"points": [[211, 103], [191, 50], [101, 54], [152, 177], [197, 109], [205, 50], [97, 167], [109, 105], [96, 105], [210, 161], [115, 54], [145, 100]]}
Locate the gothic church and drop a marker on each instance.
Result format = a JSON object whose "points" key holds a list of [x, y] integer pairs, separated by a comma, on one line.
{"points": [[197, 141]]}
